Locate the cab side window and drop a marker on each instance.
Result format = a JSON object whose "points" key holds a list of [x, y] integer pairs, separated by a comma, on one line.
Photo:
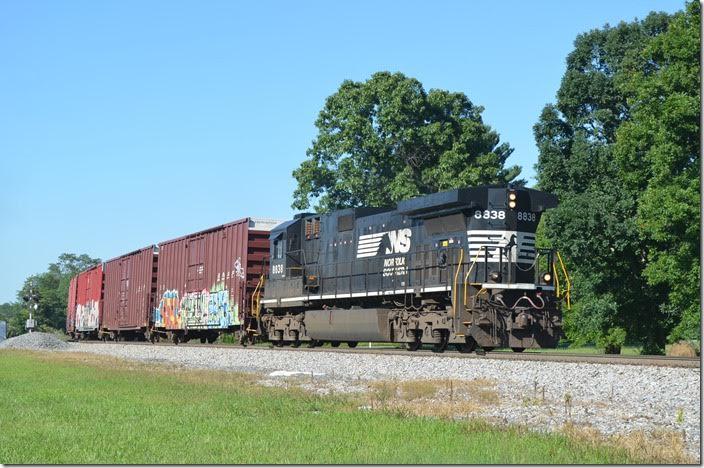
{"points": [[278, 249]]}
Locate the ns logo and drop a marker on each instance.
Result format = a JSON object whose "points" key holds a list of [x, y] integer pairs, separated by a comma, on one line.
{"points": [[389, 242]]}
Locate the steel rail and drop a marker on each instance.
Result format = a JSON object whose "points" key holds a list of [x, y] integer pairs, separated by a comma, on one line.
{"points": [[636, 360]]}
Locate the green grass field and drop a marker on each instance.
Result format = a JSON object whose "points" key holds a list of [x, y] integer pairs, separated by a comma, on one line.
{"points": [[78, 408]]}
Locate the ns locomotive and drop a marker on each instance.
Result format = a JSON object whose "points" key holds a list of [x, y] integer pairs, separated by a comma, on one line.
{"points": [[459, 267]]}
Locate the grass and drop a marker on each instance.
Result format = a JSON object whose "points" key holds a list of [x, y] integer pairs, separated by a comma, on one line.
{"points": [[87, 409]]}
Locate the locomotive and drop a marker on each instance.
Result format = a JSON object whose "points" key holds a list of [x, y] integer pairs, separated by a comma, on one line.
{"points": [[459, 268]]}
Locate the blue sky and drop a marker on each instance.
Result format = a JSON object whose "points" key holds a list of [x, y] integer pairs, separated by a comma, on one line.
{"points": [[125, 123]]}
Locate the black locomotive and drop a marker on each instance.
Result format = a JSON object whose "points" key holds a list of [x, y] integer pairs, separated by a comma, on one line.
{"points": [[459, 267]]}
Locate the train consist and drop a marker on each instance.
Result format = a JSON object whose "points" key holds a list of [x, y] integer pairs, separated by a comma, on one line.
{"points": [[457, 268]]}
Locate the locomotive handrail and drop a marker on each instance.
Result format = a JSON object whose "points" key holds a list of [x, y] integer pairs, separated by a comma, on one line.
{"points": [[567, 279], [359, 268], [469, 271], [454, 284]]}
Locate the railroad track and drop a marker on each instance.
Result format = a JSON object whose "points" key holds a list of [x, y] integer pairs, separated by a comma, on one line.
{"points": [[635, 360]]}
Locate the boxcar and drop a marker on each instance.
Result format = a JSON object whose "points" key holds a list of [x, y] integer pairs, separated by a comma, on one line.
{"points": [[85, 303], [130, 287], [206, 279]]}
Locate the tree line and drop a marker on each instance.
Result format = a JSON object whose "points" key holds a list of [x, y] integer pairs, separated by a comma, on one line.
{"points": [[620, 147]]}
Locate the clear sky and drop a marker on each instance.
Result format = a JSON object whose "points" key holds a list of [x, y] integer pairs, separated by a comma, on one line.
{"points": [[125, 123]]}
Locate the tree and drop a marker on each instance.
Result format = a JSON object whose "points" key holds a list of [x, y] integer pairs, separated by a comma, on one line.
{"points": [[659, 154], [595, 224], [52, 288], [387, 139], [14, 315]]}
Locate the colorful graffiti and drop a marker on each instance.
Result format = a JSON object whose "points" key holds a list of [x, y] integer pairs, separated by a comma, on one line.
{"points": [[214, 308], [87, 316]]}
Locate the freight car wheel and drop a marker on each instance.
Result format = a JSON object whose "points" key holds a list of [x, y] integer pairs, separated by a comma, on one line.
{"points": [[212, 338], [352, 344], [518, 350], [174, 338], [488, 349], [202, 340], [335, 344]]}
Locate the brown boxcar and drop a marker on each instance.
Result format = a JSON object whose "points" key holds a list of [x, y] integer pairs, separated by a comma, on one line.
{"points": [[206, 279], [130, 285], [71, 307], [85, 303]]}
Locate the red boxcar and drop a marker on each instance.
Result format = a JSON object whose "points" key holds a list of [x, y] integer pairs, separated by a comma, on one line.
{"points": [[206, 279], [85, 303], [71, 307], [130, 285]]}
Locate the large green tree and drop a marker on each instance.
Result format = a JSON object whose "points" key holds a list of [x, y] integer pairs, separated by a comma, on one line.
{"points": [[621, 149], [658, 150], [52, 288], [387, 139]]}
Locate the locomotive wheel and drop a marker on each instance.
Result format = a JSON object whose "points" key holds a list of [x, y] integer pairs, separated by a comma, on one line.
{"points": [[279, 343], [413, 345], [296, 342], [335, 344], [518, 350], [469, 345], [441, 346], [352, 344]]}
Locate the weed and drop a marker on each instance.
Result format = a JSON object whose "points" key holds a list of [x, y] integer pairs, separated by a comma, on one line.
{"points": [[679, 417]]}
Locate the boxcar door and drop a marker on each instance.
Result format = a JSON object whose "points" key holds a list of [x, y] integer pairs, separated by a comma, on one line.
{"points": [[196, 271], [125, 269]]}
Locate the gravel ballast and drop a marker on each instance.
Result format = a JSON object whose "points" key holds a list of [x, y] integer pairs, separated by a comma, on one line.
{"points": [[611, 398], [35, 340]]}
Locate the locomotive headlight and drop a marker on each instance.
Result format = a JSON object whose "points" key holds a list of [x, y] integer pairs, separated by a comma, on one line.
{"points": [[495, 276], [512, 203], [547, 277], [512, 196]]}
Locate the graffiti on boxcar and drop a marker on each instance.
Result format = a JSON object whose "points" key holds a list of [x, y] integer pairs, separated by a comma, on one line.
{"points": [[239, 271], [167, 313], [214, 308], [87, 316]]}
